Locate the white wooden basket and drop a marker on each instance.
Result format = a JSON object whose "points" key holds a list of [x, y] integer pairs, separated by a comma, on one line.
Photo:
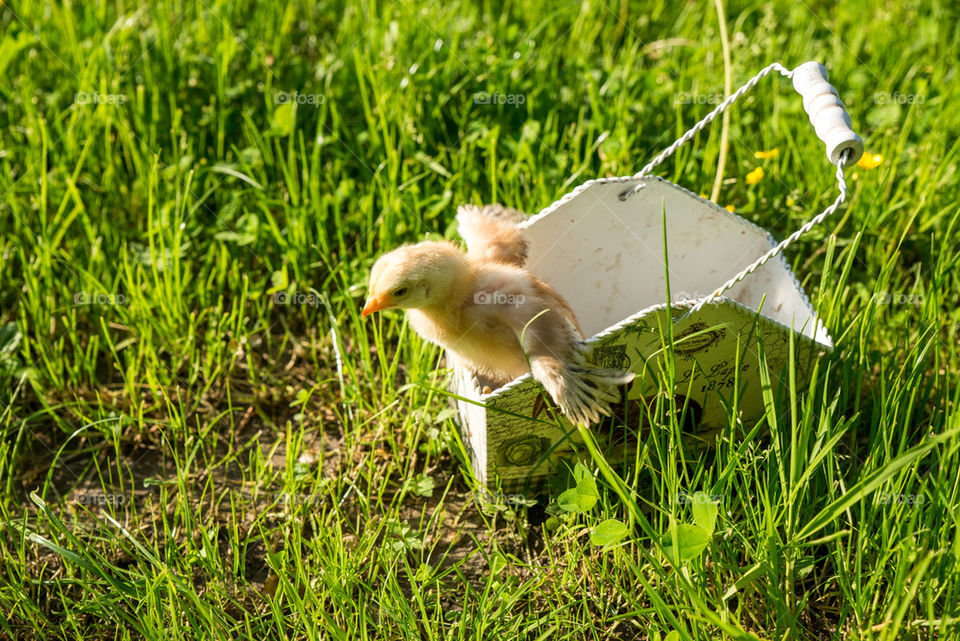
{"points": [[602, 248]]}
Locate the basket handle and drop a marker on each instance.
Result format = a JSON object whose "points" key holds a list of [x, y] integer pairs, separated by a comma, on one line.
{"points": [[827, 115], [830, 121]]}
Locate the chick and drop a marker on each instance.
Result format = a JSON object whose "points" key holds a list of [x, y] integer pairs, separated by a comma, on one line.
{"points": [[492, 316]]}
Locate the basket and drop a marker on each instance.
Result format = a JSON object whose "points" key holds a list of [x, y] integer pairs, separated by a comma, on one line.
{"points": [[735, 311]]}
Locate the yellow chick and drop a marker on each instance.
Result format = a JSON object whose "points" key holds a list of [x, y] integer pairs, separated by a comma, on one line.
{"points": [[492, 316]]}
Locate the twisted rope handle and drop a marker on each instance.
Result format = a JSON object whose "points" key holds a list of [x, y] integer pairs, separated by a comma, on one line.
{"points": [[719, 109], [832, 125], [786, 242]]}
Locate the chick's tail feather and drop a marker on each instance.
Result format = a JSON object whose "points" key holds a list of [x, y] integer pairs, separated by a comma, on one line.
{"points": [[492, 235]]}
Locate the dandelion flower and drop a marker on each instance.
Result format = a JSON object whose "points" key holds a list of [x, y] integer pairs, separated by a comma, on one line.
{"points": [[729, 208], [767, 155], [755, 176], [870, 161]]}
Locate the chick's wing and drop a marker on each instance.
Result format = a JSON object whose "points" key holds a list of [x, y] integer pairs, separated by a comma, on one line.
{"points": [[550, 338]]}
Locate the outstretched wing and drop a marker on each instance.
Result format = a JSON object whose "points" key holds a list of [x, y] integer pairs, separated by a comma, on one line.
{"points": [[552, 344], [582, 394], [492, 235]]}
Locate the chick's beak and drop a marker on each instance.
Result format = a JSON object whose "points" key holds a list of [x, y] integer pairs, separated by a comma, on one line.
{"points": [[374, 304]]}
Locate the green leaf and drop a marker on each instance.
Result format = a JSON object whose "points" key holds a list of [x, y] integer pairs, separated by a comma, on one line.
{"points": [[585, 482], [497, 563], [282, 120], [704, 512], [423, 573], [691, 539], [608, 532], [423, 485], [573, 501], [582, 497], [580, 472]]}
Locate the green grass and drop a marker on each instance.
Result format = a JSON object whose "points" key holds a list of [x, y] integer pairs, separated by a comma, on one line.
{"points": [[189, 457]]}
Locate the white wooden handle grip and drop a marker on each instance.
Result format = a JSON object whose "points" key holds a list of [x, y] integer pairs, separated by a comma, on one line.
{"points": [[827, 115]]}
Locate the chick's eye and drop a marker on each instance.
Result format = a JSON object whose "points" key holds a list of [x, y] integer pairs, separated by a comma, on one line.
{"points": [[400, 292]]}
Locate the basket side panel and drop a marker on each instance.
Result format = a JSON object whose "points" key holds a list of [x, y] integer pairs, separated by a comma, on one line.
{"points": [[606, 256], [473, 420]]}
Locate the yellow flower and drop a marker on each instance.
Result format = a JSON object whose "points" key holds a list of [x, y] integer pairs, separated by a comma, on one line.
{"points": [[767, 155], [729, 208], [755, 176], [791, 201], [869, 161]]}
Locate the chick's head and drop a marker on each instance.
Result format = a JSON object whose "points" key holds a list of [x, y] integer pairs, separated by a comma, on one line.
{"points": [[413, 276]]}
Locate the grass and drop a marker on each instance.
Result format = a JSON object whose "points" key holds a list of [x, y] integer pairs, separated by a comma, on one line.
{"points": [[202, 439]]}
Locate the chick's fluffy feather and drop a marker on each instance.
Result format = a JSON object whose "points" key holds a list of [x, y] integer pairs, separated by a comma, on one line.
{"points": [[492, 235]]}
